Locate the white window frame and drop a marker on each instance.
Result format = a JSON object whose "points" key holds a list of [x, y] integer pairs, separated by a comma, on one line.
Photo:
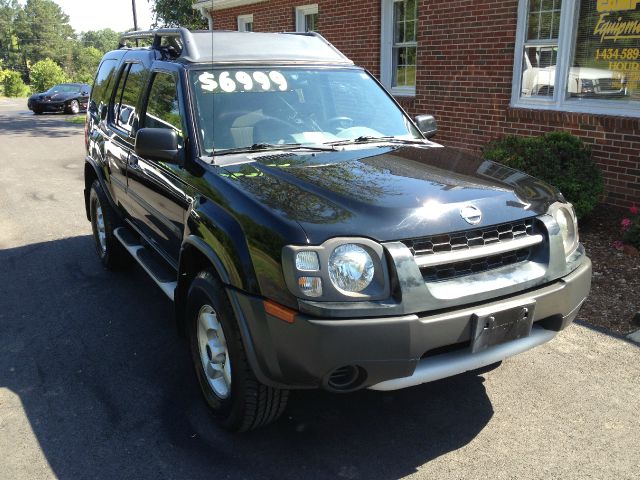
{"points": [[560, 101], [243, 20], [386, 52], [301, 13]]}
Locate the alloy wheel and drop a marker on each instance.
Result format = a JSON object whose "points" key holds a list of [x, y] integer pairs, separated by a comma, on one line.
{"points": [[214, 353]]}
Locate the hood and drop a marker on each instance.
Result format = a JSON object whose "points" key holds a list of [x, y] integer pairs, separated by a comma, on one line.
{"points": [[388, 193]]}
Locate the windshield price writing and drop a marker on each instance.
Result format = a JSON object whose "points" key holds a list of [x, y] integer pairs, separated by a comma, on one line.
{"points": [[242, 81]]}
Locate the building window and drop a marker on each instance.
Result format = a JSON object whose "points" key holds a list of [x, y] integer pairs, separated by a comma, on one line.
{"points": [[399, 45], [578, 56], [307, 18], [245, 23]]}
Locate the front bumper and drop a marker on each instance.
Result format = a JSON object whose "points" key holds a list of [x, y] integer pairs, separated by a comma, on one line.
{"points": [[391, 350], [47, 106]]}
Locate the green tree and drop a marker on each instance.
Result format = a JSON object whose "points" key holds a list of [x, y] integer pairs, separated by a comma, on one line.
{"points": [[85, 63], [8, 42], [45, 74], [43, 31], [13, 85], [102, 40], [175, 13]]}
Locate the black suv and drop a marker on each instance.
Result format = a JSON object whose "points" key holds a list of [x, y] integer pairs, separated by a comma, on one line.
{"points": [[308, 231]]}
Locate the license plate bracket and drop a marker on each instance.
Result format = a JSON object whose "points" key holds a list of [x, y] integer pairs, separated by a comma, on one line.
{"points": [[500, 326]]}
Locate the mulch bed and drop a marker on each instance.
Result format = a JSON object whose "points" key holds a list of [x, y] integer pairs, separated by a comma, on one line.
{"points": [[614, 302]]}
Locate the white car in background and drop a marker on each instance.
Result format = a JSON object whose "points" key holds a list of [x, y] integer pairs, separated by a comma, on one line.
{"points": [[583, 81]]}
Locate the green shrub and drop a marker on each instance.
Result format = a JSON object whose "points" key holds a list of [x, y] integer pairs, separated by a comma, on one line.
{"points": [[558, 158], [45, 74], [13, 84]]}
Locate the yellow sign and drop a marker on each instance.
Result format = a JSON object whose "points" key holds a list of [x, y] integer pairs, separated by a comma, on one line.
{"points": [[617, 29], [617, 5]]}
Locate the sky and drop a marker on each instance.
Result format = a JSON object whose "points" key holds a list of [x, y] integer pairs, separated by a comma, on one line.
{"points": [[97, 14]]}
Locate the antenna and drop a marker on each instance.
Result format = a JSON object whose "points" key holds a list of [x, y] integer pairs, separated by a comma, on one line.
{"points": [[213, 96]]}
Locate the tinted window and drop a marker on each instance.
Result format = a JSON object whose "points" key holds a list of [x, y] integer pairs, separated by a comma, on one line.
{"points": [[163, 110], [132, 81], [101, 83]]}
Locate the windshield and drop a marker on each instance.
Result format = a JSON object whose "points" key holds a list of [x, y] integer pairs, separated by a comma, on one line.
{"points": [[65, 89], [243, 107]]}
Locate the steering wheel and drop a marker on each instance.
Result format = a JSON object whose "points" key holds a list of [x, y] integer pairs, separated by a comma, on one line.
{"points": [[340, 123]]}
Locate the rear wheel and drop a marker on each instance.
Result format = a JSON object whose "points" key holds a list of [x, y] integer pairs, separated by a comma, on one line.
{"points": [[73, 107], [237, 399], [103, 222]]}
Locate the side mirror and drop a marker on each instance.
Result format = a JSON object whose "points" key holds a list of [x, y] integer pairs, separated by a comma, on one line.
{"points": [[159, 144], [103, 112], [427, 125]]}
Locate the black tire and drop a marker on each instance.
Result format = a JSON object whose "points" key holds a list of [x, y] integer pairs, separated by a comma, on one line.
{"points": [[73, 107], [37, 111], [249, 404], [111, 253]]}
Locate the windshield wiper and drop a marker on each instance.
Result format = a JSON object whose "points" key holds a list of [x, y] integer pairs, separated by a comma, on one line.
{"points": [[256, 147], [370, 139]]}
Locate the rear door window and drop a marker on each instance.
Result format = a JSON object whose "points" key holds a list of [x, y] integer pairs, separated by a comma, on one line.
{"points": [[126, 100]]}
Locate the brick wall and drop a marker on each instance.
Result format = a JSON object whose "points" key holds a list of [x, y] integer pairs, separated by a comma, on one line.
{"points": [[465, 63], [357, 36]]}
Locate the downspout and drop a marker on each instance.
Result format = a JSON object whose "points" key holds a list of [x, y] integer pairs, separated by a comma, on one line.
{"points": [[207, 15]]}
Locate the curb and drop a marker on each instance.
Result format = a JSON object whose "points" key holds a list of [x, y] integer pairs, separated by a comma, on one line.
{"points": [[634, 337]]}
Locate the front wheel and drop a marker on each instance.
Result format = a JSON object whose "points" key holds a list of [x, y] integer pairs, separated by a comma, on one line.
{"points": [[73, 107], [237, 399]]}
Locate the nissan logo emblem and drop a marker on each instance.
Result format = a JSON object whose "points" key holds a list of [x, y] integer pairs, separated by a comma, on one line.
{"points": [[472, 215]]}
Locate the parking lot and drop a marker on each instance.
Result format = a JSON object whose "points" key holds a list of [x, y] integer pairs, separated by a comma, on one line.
{"points": [[95, 383]]}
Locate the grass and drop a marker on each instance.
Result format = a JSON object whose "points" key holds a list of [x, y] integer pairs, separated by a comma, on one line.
{"points": [[78, 119]]}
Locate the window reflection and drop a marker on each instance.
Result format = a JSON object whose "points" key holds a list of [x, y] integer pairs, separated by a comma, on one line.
{"points": [[606, 60], [163, 110]]}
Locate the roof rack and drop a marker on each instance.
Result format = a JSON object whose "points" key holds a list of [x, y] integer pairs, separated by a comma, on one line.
{"points": [[188, 50]]}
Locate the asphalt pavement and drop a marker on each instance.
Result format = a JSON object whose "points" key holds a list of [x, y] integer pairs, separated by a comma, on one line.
{"points": [[95, 382]]}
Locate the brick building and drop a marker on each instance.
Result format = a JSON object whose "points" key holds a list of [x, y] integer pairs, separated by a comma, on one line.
{"points": [[486, 68]]}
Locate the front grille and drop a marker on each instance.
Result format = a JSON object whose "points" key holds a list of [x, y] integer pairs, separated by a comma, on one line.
{"points": [[483, 264], [428, 248], [470, 238], [609, 85]]}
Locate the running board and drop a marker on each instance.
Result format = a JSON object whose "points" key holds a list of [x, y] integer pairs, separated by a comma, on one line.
{"points": [[157, 269], [449, 364]]}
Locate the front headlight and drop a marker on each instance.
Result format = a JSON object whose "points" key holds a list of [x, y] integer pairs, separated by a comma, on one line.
{"points": [[566, 219], [351, 268], [338, 270]]}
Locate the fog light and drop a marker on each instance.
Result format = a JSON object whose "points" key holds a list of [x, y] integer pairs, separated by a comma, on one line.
{"points": [[307, 262], [310, 286]]}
